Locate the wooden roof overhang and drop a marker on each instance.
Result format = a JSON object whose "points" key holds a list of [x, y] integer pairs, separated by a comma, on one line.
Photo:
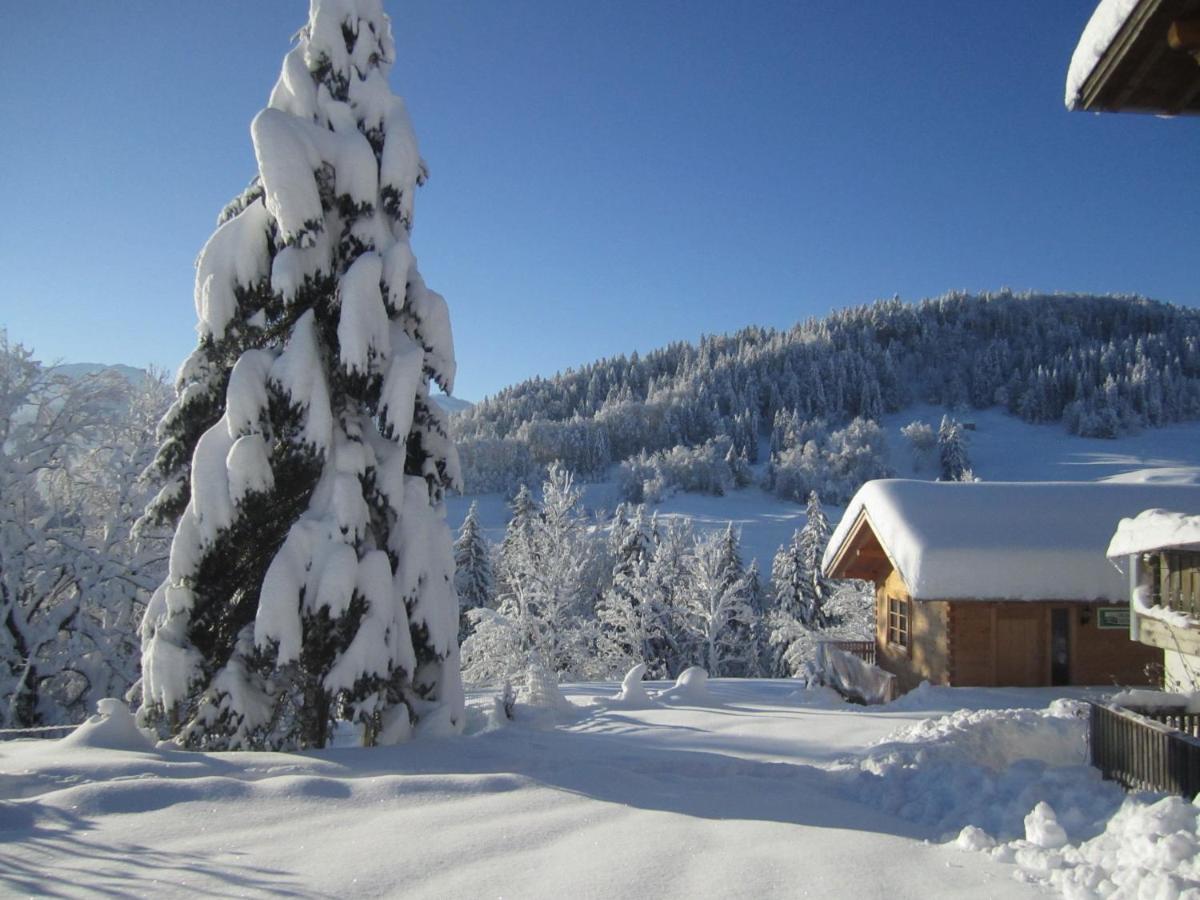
{"points": [[861, 554], [1151, 64]]}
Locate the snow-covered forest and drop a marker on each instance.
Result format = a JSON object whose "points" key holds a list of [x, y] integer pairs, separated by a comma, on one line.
{"points": [[584, 593], [587, 600], [1103, 366]]}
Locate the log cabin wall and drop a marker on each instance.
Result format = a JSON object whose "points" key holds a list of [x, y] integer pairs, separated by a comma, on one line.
{"points": [[925, 654], [977, 643], [1108, 656], [996, 643]]}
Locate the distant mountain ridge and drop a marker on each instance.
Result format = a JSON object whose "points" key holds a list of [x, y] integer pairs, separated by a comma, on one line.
{"points": [[132, 374]]}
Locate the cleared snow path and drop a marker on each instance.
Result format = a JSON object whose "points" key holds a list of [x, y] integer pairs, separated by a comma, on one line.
{"points": [[761, 790]]}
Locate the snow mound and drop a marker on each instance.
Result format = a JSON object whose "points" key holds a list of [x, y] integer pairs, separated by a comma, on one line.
{"points": [[541, 692], [112, 728], [1146, 850], [633, 693], [995, 739], [1042, 828], [1014, 784], [917, 699], [690, 687], [972, 838], [988, 769]]}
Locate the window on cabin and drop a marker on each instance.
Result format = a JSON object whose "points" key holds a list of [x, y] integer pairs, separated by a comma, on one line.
{"points": [[897, 621]]}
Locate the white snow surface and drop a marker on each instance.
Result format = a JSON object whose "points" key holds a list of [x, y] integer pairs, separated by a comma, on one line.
{"points": [[1153, 529], [770, 790], [1099, 32], [1004, 540]]}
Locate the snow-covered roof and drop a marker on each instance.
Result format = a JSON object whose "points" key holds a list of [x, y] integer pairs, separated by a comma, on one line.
{"points": [[1153, 529], [1097, 35], [1003, 540]]}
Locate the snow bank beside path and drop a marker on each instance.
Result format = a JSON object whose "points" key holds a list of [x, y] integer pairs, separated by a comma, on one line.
{"points": [[1016, 785], [988, 769]]}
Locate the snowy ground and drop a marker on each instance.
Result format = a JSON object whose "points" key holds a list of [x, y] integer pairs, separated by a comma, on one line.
{"points": [[1001, 447], [757, 789]]}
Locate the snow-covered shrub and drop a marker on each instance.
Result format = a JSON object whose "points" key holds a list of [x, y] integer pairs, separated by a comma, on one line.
{"points": [[921, 441], [711, 468], [74, 579], [714, 609], [629, 615], [545, 590], [311, 573], [834, 467], [580, 445]]}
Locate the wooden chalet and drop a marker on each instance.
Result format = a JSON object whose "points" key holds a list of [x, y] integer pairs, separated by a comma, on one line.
{"points": [[997, 584]]}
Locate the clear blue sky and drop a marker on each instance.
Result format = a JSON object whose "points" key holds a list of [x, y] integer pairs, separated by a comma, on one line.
{"points": [[606, 176]]}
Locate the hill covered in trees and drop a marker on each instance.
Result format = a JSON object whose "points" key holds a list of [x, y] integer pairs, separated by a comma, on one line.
{"points": [[1102, 365]]}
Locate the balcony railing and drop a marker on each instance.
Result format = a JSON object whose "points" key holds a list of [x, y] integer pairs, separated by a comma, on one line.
{"points": [[1177, 601]]}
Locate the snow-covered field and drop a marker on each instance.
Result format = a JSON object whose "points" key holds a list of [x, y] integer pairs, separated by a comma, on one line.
{"points": [[743, 789]]}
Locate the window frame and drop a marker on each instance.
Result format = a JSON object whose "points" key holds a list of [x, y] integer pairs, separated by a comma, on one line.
{"points": [[898, 626]]}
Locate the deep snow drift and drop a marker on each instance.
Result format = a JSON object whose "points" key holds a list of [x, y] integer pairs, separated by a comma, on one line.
{"points": [[729, 788]]}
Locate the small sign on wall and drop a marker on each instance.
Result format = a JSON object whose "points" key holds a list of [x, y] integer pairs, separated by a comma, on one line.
{"points": [[1112, 617]]}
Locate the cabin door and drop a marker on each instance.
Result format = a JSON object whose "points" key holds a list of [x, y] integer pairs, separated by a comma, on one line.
{"points": [[1060, 646], [1019, 642]]}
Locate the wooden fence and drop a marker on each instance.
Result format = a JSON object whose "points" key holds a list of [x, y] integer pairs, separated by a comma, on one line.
{"points": [[1142, 754], [864, 650]]}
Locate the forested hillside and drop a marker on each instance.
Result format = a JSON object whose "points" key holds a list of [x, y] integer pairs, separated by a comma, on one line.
{"points": [[1102, 365]]}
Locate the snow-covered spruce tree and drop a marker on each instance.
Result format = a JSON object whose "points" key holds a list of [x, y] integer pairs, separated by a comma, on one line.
{"points": [[815, 588], [311, 571], [557, 588], [671, 651], [628, 615], [472, 568], [787, 593], [516, 551], [800, 592], [716, 612], [952, 451], [544, 603]]}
